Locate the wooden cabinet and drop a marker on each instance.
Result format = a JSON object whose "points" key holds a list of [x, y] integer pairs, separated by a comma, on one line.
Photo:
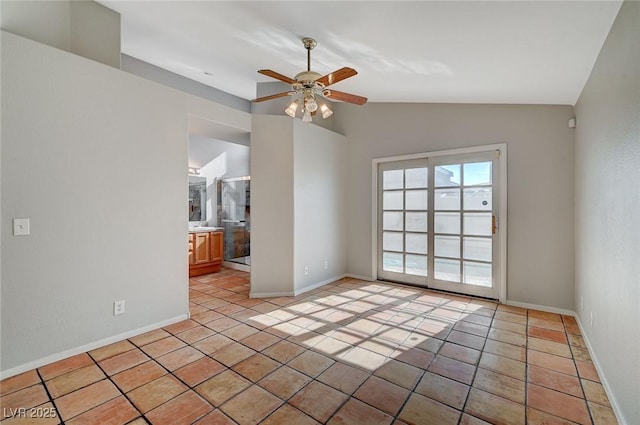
{"points": [[205, 252]]}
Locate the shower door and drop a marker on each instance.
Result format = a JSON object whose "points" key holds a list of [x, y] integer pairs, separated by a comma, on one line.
{"points": [[234, 216]]}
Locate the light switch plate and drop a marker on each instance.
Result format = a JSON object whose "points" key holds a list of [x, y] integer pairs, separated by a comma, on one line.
{"points": [[21, 227]]}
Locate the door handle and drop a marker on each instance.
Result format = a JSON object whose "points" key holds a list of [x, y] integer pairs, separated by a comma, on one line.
{"points": [[493, 225]]}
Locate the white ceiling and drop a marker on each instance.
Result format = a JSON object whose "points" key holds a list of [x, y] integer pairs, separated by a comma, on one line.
{"points": [[538, 52]]}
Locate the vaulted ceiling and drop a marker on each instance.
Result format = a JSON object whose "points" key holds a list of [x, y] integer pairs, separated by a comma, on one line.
{"points": [[531, 52]]}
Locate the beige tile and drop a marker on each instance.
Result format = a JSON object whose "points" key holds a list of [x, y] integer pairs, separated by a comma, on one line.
{"points": [[453, 369], [123, 361], [195, 334], [414, 356], [289, 415], [156, 392], [179, 358], [26, 398], [162, 346], [256, 367], [80, 401], [63, 366], [215, 418], [138, 376], [251, 405], [537, 417], [284, 382], [74, 380], [549, 361], [222, 387], [311, 363], [423, 410], [199, 371], [19, 382], [354, 412], [443, 389], [550, 347], [557, 381], [232, 354], [558, 404], [318, 400], [343, 377], [494, 409], [505, 350], [111, 350], [500, 385], [399, 373], [259, 341], [508, 337], [594, 391], [602, 415], [472, 420], [212, 344], [503, 365], [384, 395], [283, 351], [459, 352], [114, 412], [181, 326], [149, 337], [181, 410], [239, 332], [587, 370]]}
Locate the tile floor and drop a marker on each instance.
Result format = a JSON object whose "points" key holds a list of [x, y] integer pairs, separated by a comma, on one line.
{"points": [[351, 352]]}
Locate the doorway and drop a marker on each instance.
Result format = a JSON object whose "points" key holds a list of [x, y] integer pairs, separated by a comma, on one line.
{"points": [[437, 221]]}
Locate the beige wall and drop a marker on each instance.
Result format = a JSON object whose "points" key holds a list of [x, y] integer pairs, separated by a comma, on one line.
{"points": [[85, 28], [540, 181], [97, 159], [607, 181]]}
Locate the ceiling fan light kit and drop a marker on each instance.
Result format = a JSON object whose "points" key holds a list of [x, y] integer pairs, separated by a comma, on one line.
{"points": [[309, 86]]}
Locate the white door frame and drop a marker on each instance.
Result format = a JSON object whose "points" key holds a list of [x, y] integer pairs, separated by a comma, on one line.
{"points": [[501, 223]]}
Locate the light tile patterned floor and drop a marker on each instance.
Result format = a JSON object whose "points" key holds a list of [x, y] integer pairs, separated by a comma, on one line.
{"points": [[351, 352]]}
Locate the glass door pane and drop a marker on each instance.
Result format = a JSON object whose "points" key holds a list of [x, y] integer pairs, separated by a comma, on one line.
{"points": [[403, 217], [464, 204]]}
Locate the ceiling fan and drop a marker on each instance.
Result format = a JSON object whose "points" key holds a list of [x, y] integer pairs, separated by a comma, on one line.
{"points": [[309, 85]]}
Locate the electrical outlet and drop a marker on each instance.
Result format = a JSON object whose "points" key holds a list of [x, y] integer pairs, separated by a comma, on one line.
{"points": [[306, 270], [326, 265], [591, 318], [118, 307]]}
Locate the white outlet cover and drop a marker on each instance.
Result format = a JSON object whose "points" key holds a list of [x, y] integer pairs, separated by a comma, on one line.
{"points": [[118, 307], [21, 227]]}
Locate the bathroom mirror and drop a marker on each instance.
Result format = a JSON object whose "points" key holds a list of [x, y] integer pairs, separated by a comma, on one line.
{"points": [[197, 198]]}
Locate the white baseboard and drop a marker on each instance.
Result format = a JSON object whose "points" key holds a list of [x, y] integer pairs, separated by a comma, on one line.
{"points": [[603, 379], [88, 347], [236, 266], [319, 284], [295, 292], [541, 308], [270, 294], [357, 276]]}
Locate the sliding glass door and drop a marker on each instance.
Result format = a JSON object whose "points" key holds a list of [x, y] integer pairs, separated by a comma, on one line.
{"points": [[437, 223]]}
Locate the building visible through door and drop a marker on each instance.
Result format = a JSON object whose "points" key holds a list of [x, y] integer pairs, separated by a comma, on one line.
{"points": [[437, 222]]}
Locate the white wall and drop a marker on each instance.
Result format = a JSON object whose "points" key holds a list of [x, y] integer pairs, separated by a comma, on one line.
{"points": [[298, 195], [607, 176], [85, 28], [81, 144], [272, 205], [217, 159], [540, 181], [320, 196]]}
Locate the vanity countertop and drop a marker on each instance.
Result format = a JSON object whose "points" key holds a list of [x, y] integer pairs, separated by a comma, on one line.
{"points": [[204, 229]]}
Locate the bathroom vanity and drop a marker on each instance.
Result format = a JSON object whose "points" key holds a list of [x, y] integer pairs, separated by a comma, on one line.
{"points": [[205, 250]]}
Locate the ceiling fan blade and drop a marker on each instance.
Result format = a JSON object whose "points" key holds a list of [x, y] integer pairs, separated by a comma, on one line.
{"points": [[337, 76], [273, 96], [345, 97], [277, 76]]}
